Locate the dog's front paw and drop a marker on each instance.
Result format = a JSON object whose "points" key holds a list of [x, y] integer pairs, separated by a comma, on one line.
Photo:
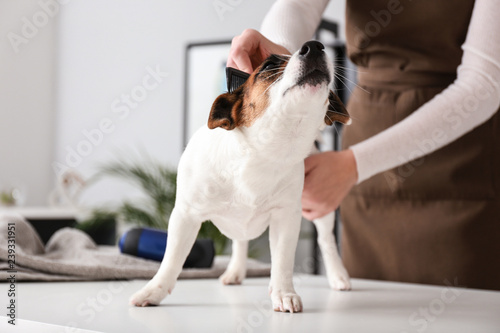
{"points": [[233, 276], [152, 294], [286, 301], [339, 280]]}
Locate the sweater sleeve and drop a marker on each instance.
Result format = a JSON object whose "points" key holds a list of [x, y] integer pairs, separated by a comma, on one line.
{"points": [[291, 23], [470, 101]]}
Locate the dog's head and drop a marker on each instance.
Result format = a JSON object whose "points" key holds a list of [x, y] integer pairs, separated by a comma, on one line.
{"points": [[288, 86]]}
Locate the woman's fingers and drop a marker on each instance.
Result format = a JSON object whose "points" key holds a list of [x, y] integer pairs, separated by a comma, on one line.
{"points": [[243, 47], [249, 49], [328, 178]]}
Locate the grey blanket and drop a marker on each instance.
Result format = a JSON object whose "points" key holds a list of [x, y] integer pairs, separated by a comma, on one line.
{"points": [[71, 255]]}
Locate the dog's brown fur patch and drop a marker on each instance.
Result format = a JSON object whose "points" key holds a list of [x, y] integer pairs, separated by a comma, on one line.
{"points": [[336, 110], [247, 103], [225, 110], [255, 102]]}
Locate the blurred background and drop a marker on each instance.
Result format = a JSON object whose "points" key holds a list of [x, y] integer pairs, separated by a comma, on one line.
{"points": [[85, 83]]}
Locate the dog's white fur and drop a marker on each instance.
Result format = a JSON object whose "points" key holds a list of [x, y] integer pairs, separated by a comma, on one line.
{"points": [[247, 179]]}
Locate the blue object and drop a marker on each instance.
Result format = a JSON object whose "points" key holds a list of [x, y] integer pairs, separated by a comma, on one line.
{"points": [[151, 244]]}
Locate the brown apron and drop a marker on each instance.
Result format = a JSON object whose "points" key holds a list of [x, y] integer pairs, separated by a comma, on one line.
{"points": [[434, 220]]}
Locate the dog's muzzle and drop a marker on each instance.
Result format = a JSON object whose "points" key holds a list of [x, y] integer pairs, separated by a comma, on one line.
{"points": [[315, 70]]}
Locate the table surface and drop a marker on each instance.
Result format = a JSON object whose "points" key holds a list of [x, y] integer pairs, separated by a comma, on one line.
{"points": [[207, 306]]}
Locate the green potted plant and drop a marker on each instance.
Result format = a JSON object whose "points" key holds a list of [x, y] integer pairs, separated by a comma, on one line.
{"points": [[100, 225], [158, 183], [9, 198]]}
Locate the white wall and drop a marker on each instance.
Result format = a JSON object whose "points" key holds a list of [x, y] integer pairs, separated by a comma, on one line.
{"points": [[105, 53], [27, 67]]}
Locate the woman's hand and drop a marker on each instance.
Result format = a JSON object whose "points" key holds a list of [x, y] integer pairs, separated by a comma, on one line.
{"points": [[329, 177], [250, 49]]}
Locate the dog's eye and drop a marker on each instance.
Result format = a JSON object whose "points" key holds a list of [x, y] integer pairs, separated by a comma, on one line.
{"points": [[269, 65]]}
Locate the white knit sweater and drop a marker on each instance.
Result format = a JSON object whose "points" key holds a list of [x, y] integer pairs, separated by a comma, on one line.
{"points": [[470, 101]]}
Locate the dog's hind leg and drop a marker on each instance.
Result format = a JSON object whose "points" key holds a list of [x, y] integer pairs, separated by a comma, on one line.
{"points": [[182, 232], [237, 268], [338, 277]]}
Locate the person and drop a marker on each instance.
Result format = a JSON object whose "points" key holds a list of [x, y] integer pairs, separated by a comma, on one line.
{"points": [[419, 173]]}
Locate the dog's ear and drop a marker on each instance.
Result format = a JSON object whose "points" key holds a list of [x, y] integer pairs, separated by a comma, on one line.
{"points": [[336, 111], [226, 110]]}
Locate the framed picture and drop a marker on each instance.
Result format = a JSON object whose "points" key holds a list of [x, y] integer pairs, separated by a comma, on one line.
{"points": [[205, 79]]}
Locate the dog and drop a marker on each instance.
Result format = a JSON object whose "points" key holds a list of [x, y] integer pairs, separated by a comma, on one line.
{"points": [[245, 173]]}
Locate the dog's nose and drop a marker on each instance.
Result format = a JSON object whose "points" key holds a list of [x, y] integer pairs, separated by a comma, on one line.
{"points": [[311, 49]]}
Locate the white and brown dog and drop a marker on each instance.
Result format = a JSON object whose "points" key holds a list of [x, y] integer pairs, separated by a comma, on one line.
{"points": [[245, 172]]}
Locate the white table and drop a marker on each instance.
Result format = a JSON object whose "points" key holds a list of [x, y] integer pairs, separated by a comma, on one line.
{"points": [[207, 306]]}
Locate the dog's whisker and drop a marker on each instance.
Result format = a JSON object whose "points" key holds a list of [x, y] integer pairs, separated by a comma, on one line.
{"points": [[272, 84], [335, 111], [283, 57], [348, 68], [340, 77], [336, 130], [345, 77], [271, 70], [280, 70], [274, 74], [345, 85], [270, 76], [340, 113]]}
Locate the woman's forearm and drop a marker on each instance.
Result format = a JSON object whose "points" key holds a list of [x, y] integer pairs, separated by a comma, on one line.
{"points": [[293, 22]]}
